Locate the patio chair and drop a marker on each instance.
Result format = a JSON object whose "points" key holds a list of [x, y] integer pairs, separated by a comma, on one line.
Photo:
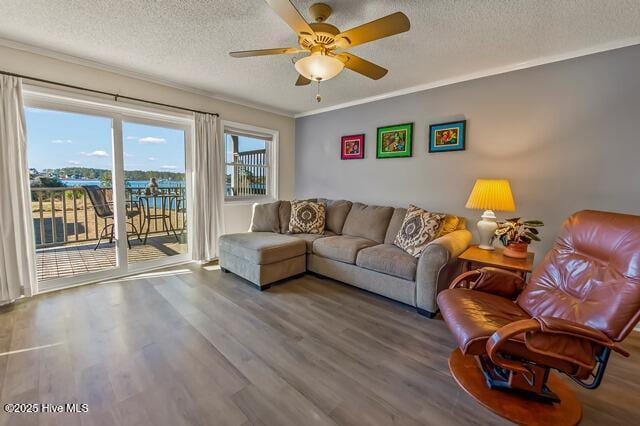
{"points": [[103, 210]]}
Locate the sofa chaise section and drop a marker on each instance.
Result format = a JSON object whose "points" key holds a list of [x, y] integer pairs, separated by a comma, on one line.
{"points": [[262, 257]]}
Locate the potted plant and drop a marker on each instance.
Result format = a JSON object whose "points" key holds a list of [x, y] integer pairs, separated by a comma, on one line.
{"points": [[516, 236]]}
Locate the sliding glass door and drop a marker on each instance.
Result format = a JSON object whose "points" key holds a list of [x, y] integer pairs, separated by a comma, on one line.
{"points": [[155, 190], [109, 189], [70, 159]]}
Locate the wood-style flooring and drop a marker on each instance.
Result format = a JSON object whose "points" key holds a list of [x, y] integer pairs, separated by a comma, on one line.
{"points": [[198, 347]]}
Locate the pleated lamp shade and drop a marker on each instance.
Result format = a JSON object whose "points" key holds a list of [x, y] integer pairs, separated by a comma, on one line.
{"points": [[491, 194]]}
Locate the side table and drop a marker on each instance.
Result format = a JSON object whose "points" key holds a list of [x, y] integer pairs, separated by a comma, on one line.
{"points": [[477, 256]]}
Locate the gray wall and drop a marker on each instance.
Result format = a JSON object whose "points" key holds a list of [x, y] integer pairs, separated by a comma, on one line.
{"points": [[566, 135]]}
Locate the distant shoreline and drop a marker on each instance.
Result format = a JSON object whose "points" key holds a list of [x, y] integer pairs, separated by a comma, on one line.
{"points": [[129, 183]]}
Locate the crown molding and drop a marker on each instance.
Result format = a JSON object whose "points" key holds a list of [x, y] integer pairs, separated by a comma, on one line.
{"points": [[137, 75], [480, 74]]}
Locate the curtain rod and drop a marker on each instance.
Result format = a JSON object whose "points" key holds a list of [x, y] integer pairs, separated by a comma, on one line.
{"points": [[116, 96]]}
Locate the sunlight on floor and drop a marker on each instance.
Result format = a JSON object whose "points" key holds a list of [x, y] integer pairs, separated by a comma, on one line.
{"points": [[35, 348], [150, 275]]}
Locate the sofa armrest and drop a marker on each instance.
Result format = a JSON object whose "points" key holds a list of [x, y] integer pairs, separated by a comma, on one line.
{"points": [[439, 254]]}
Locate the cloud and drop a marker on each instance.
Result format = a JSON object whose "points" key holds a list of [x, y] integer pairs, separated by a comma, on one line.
{"points": [[98, 153], [152, 158], [62, 141], [152, 140], [74, 162], [168, 167]]}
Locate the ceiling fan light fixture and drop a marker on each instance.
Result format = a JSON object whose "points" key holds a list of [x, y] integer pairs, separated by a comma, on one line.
{"points": [[319, 67]]}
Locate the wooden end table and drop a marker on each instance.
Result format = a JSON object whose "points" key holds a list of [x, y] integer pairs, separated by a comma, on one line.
{"points": [[477, 256]]}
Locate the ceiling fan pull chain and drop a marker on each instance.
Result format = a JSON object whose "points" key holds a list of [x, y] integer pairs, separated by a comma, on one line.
{"points": [[318, 97]]}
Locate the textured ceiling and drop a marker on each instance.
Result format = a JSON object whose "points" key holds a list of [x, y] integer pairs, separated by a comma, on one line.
{"points": [[187, 42]]}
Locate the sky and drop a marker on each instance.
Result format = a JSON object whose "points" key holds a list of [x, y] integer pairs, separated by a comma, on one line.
{"points": [[58, 139], [244, 144]]}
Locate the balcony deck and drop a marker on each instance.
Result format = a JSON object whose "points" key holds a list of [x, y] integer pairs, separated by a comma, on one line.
{"points": [[76, 259], [67, 228]]}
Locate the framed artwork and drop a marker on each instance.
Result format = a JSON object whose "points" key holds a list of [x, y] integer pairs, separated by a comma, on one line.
{"points": [[394, 141], [352, 147], [447, 136]]}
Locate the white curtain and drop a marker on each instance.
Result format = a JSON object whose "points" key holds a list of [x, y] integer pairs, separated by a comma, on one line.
{"points": [[208, 188], [17, 253]]}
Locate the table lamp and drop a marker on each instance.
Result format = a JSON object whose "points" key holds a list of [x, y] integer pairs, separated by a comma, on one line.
{"points": [[490, 195]]}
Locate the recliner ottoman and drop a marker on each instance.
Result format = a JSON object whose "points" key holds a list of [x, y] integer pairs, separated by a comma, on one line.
{"points": [[262, 257]]}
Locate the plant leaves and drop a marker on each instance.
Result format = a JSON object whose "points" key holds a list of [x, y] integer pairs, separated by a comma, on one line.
{"points": [[532, 236], [536, 223]]}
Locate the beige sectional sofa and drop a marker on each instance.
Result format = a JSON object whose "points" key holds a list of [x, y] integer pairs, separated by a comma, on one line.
{"points": [[356, 248]]}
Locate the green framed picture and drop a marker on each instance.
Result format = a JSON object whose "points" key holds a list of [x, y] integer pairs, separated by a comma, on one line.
{"points": [[394, 141]]}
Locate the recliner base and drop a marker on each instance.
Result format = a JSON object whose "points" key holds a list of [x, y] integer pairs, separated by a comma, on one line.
{"points": [[500, 380], [512, 405]]}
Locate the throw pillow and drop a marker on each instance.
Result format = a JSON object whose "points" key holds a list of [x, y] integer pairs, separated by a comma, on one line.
{"points": [[307, 217], [449, 224], [418, 229], [266, 217]]}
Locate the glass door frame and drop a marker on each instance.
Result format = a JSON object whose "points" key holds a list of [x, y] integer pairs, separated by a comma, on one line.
{"points": [[118, 112]]}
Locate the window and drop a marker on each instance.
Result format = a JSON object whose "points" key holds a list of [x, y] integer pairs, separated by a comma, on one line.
{"points": [[249, 162]]}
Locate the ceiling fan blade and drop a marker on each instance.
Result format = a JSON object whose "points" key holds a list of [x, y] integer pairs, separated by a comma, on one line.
{"points": [[263, 52], [395, 23], [302, 80], [362, 66], [291, 16]]}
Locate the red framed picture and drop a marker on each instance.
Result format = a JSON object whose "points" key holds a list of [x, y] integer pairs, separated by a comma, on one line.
{"points": [[352, 147]]}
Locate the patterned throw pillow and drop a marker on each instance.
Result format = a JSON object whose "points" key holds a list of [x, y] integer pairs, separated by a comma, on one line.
{"points": [[449, 224], [307, 217], [418, 229]]}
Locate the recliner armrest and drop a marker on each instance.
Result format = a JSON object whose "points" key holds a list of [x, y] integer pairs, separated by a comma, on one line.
{"points": [[555, 325], [552, 337], [491, 280]]}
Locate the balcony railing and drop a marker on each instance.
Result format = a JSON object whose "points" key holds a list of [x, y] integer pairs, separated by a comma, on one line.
{"points": [[249, 174], [65, 215]]}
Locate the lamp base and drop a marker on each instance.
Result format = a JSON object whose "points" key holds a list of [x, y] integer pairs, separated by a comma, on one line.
{"points": [[486, 228]]}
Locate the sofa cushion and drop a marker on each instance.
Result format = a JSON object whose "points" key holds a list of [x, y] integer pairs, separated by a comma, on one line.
{"points": [[394, 224], [369, 222], [262, 247], [285, 216], [419, 228], [310, 238], [343, 248], [388, 259], [336, 213], [307, 217], [265, 217]]}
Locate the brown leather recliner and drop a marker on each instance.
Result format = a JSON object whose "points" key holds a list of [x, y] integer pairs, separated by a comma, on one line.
{"points": [[581, 300]]}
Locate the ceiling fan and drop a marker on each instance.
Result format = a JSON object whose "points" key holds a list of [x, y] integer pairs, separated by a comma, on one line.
{"points": [[324, 43]]}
